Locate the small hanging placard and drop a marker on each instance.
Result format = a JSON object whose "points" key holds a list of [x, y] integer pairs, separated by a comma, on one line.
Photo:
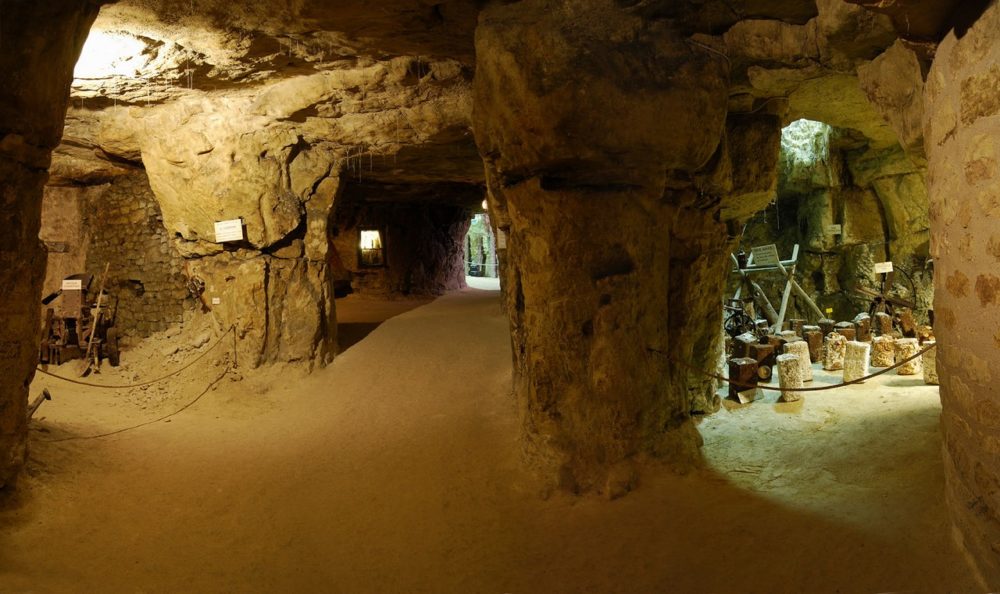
{"points": [[501, 240], [229, 231], [834, 229], [72, 285], [765, 255], [883, 268]]}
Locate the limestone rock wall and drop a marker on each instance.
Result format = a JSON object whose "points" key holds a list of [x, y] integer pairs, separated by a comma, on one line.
{"points": [[62, 232], [39, 43], [279, 300], [865, 171], [275, 155], [423, 246], [961, 126], [737, 182], [261, 154], [281, 308], [590, 212], [829, 177]]}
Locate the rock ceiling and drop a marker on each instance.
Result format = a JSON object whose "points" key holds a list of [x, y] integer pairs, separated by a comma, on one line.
{"points": [[214, 45], [381, 89]]}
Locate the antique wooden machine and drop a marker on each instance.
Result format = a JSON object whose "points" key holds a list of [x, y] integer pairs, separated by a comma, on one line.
{"points": [[77, 327], [886, 300]]}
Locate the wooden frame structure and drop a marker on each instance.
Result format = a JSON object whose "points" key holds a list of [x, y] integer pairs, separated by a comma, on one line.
{"points": [[787, 269]]}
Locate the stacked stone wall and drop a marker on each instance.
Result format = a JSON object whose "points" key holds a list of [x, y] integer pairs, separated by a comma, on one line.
{"points": [[146, 279], [961, 127]]}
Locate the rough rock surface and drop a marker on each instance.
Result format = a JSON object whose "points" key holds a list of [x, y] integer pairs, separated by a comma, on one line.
{"points": [[830, 177], [834, 351], [276, 152], [960, 131], [857, 356], [894, 83], [39, 43], [423, 243], [790, 376], [591, 326], [930, 364], [883, 351], [216, 158], [906, 348], [237, 109], [800, 349], [170, 47], [282, 309]]}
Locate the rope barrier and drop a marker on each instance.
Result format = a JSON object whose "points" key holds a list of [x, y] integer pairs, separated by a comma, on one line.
{"points": [[150, 382], [779, 389], [163, 418]]}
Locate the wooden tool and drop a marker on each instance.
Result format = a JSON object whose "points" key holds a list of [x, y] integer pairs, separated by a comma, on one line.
{"points": [[90, 358]]}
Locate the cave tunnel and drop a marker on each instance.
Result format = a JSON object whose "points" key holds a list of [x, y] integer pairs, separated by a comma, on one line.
{"points": [[513, 296]]}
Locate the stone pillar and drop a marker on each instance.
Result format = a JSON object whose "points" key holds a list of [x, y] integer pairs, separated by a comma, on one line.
{"points": [[856, 360], [790, 376], [961, 126], [930, 364], [280, 303], [906, 348], [39, 45], [883, 351], [800, 348], [833, 354], [578, 129]]}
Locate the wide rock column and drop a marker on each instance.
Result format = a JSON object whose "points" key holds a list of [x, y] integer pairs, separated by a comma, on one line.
{"points": [[39, 45], [961, 127], [583, 112]]}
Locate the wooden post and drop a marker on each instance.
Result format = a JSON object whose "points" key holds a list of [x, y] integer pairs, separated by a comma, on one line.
{"points": [[87, 360], [787, 269], [788, 272]]}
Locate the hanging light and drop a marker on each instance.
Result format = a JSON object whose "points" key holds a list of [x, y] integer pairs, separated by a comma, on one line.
{"points": [[485, 205]]}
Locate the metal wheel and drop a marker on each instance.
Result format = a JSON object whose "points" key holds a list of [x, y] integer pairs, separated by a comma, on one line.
{"points": [[111, 344], [738, 322]]}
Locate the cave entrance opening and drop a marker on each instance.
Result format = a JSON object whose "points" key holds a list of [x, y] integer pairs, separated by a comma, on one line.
{"points": [[481, 248], [852, 204]]}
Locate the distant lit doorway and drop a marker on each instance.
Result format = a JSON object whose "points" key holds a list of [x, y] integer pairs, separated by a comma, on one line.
{"points": [[480, 248]]}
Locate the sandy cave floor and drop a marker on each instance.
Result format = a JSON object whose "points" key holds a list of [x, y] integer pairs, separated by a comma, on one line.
{"points": [[396, 469]]}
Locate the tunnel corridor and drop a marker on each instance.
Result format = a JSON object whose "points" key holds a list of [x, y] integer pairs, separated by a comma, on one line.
{"points": [[370, 476], [433, 296]]}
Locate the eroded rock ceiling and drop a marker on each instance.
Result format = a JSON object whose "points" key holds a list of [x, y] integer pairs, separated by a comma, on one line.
{"points": [[224, 102]]}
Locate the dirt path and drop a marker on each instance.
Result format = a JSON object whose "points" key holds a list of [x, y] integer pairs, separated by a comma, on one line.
{"points": [[396, 470]]}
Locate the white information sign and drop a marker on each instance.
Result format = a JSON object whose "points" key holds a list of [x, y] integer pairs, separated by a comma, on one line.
{"points": [[883, 268], [834, 229], [501, 240], [72, 285], [216, 300], [229, 231], [765, 255]]}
